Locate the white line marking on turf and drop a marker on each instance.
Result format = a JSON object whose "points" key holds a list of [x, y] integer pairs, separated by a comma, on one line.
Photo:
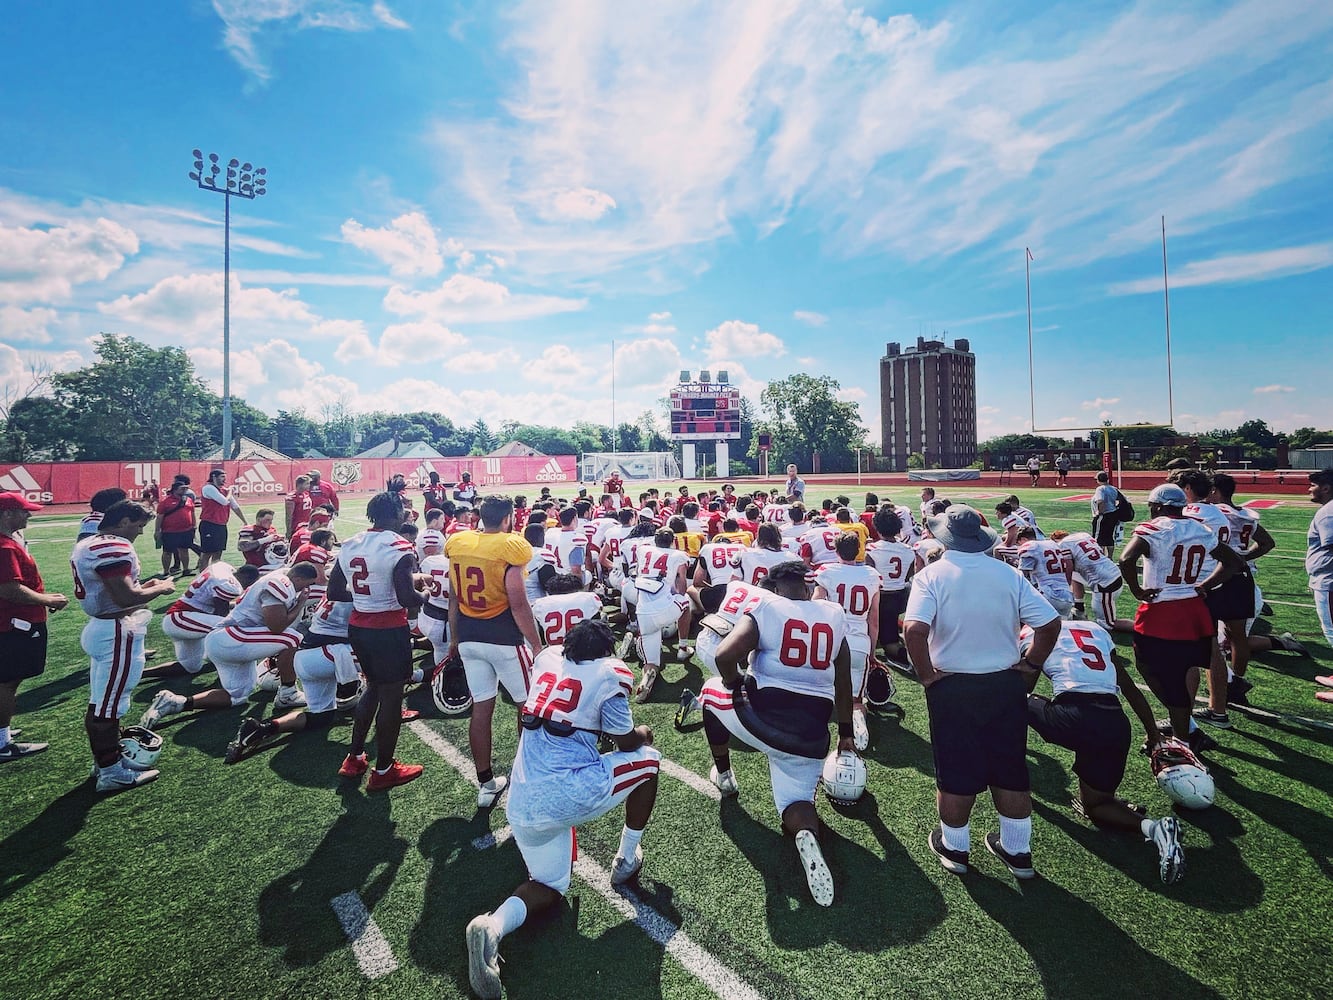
{"points": [[490, 840], [369, 944], [687, 777], [696, 960]]}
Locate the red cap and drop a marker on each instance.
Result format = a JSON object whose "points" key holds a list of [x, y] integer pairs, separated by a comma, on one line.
{"points": [[323, 515], [17, 501]]}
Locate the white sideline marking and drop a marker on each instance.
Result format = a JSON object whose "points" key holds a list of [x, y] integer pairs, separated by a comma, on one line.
{"points": [[687, 777], [696, 960], [369, 944], [490, 840]]}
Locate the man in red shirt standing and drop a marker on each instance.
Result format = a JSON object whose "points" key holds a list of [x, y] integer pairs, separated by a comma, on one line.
{"points": [[299, 505], [174, 530], [321, 492], [218, 504], [23, 609]]}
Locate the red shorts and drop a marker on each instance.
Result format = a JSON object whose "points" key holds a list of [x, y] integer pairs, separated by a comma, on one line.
{"points": [[1187, 619]]}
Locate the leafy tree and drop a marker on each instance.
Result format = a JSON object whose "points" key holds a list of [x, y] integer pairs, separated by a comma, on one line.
{"points": [[483, 440], [1308, 437], [37, 425], [805, 416], [296, 433]]}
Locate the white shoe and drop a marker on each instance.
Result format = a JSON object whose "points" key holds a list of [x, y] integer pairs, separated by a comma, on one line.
{"points": [[483, 956], [1166, 836], [860, 731], [289, 697], [164, 703], [684, 653], [646, 683], [118, 777], [623, 869], [725, 782], [817, 874], [267, 680], [489, 792]]}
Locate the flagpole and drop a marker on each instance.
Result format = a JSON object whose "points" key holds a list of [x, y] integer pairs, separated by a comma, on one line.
{"points": [[615, 428], [1166, 300], [1032, 392]]}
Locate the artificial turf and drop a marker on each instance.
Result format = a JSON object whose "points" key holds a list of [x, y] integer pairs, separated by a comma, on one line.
{"points": [[216, 881]]}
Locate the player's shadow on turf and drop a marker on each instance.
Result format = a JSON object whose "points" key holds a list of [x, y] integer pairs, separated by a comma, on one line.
{"points": [[1218, 878], [34, 849], [43, 696], [1058, 929], [895, 745], [1311, 829], [360, 853], [863, 883], [1286, 759]]}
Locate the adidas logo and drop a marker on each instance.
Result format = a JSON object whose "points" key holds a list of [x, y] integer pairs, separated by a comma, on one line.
{"points": [[550, 473], [257, 479], [19, 480], [421, 474]]}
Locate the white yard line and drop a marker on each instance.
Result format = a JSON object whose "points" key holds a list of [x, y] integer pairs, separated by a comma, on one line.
{"points": [[698, 961], [369, 944]]}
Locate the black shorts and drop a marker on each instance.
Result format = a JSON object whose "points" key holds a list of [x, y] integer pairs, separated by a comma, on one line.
{"points": [[22, 654], [710, 597], [1167, 661], [978, 732], [892, 604], [174, 540], [1094, 726], [385, 654], [1233, 601], [1103, 529], [212, 537]]}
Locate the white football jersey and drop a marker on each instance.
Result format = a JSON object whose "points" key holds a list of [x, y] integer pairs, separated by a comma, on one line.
{"points": [[798, 642], [437, 589], [911, 533], [775, 513], [660, 564], [90, 524], [892, 561], [1178, 550], [753, 564], [331, 618], [562, 545], [819, 545], [556, 614], [575, 693], [740, 599], [1029, 517], [368, 559], [1089, 560], [1081, 659], [272, 588], [613, 538], [1242, 522], [851, 587], [430, 538], [1048, 565], [94, 556], [532, 584], [215, 583], [1217, 522], [793, 530], [716, 559]]}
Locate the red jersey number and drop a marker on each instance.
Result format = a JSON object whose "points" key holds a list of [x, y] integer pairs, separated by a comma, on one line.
{"points": [[805, 645], [1083, 639], [360, 574], [568, 690]]}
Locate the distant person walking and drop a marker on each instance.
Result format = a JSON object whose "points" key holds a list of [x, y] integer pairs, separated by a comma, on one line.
{"points": [[1062, 464], [1034, 469], [1319, 562]]}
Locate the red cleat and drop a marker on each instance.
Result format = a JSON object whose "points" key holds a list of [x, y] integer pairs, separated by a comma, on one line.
{"points": [[353, 767], [410, 713], [397, 774]]}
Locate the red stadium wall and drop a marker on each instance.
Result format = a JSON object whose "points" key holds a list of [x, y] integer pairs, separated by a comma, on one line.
{"points": [[75, 482]]}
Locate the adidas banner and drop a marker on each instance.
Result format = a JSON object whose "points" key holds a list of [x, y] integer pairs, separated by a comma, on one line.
{"points": [[263, 481]]}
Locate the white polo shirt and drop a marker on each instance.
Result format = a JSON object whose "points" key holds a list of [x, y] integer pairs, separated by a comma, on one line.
{"points": [[974, 605]]}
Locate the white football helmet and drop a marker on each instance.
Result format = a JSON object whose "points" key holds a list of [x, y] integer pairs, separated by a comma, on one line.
{"points": [[275, 555], [342, 704], [1182, 775], [139, 748], [844, 777]]}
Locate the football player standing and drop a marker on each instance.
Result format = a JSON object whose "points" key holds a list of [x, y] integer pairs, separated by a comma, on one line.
{"points": [[855, 588]]}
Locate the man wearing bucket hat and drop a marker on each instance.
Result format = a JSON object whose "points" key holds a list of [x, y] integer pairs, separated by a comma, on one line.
{"points": [[24, 605], [963, 620]]}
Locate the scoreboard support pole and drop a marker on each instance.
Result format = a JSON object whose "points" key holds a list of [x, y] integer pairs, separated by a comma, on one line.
{"points": [[723, 467], [688, 467]]}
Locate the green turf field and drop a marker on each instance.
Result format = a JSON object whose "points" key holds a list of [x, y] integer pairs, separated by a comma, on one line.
{"points": [[217, 881]]}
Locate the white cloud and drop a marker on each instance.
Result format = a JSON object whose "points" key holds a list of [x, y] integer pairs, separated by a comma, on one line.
{"points": [[810, 318], [275, 376], [407, 244], [851, 394], [190, 307], [386, 16], [44, 265], [742, 340], [468, 298], [1236, 268], [559, 366], [1099, 402], [26, 326], [479, 362], [651, 361], [355, 342], [251, 26], [1275, 388], [659, 317], [581, 204], [417, 343]]}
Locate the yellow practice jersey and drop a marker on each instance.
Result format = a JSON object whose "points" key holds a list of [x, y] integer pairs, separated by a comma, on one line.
{"points": [[690, 542], [861, 532], [478, 562], [739, 537]]}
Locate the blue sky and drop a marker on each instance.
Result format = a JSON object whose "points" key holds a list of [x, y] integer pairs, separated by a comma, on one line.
{"points": [[469, 202]]}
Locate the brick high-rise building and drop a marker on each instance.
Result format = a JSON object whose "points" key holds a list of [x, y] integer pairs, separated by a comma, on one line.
{"points": [[928, 403]]}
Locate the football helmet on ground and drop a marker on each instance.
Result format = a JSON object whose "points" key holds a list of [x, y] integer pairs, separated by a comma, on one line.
{"points": [[1182, 775], [140, 747], [844, 777]]}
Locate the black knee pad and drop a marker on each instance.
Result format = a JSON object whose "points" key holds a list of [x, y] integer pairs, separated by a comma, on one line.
{"points": [[717, 734]]}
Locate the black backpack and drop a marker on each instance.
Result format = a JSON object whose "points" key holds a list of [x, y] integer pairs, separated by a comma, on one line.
{"points": [[1124, 510]]}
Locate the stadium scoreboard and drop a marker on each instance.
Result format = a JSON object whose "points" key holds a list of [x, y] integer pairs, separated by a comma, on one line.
{"points": [[705, 411]]}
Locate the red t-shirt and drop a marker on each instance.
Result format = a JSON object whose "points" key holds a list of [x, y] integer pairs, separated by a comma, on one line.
{"points": [[17, 566], [302, 504], [178, 513], [323, 494], [868, 519]]}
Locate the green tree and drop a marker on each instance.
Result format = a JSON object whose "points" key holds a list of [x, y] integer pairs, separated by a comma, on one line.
{"points": [[483, 440], [136, 401], [1308, 437], [296, 433], [36, 426], [805, 416]]}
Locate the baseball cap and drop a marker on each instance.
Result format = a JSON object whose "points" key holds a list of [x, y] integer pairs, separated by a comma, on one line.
{"points": [[1322, 477], [17, 501], [314, 472], [1168, 495], [960, 528], [323, 515]]}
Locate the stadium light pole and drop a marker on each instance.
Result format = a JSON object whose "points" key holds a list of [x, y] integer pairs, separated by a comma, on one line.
{"points": [[240, 180]]}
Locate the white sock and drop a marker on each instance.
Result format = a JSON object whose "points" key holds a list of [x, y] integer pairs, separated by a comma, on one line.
{"points": [[956, 838], [383, 770], [4, 736], [1016, 835], [1145, 827], [1231, 675], [286, 688], [511, 914], [629, 839]]}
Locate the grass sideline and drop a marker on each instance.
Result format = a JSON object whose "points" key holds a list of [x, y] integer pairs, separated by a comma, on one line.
{"points": [[217, 881]]}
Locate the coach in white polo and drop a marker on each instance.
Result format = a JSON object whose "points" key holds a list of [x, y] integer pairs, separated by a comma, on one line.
{"points": [[962, 637]]}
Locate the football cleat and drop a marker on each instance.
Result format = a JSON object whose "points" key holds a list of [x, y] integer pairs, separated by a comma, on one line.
{"points": [[14, 751], [267, 679], [860, 731], [1292, 644], [646, 683], [627, 641], [683, 654], [289, 697], [1166, 837], [164, 703], [623, 869], [483, 956], [817, 874], [1019, 865], [1218, 720], [252, 735], [1238, 691], [448, 687], [488, 793], [1181, 775], [689, 704], [118, 777], [724, 781]]}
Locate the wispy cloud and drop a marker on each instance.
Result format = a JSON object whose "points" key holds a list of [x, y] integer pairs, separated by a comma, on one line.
{"points": [[1099, 403], [250, 26], [1274, 388], [1236, 268], [810, 318]]}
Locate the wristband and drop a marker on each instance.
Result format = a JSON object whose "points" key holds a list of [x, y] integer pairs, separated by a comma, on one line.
{"points": [[1034, 666], [844, 730], [737, 684]]}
